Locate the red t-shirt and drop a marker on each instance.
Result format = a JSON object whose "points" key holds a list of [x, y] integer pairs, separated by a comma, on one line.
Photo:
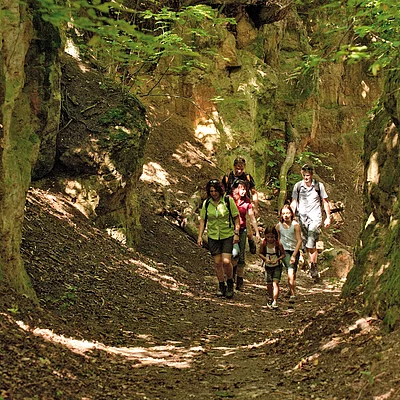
{"points": [[243, 205]]}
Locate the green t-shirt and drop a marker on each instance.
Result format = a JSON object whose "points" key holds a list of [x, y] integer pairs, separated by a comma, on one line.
{"points": [[218, 218]]}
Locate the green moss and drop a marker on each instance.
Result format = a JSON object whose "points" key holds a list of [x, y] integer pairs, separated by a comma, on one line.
{"points": [[258, 46], [358, 274], [391, 318], [354, 140], [34, 139], [387, 179], [114, 116], [304, 121]]}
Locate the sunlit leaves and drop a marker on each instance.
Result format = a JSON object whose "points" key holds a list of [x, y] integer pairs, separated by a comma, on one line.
{"points": [[115, 38], [356, 30]]}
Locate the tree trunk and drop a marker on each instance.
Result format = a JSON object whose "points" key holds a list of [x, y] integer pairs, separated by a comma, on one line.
{"points": [[292, 135]]}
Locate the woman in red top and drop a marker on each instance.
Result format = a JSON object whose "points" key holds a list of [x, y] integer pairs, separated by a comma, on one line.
{"points": [[243, 203]]}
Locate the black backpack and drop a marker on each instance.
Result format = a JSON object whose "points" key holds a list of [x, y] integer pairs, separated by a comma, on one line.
{"points": [[228, 206], [229, 182]]}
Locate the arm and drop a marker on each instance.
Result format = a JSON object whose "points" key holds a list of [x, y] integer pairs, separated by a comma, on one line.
{"points": [[278, 229], [299, 242], [282, 250], [261, 251], [237, 228], [327, 212], [236, 219], [253, 222], [201, 231], [294, 205], [254, 198]]}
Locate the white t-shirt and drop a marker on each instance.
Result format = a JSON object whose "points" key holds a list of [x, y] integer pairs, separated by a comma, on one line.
{"points": [[288, 236], [309, 202]]}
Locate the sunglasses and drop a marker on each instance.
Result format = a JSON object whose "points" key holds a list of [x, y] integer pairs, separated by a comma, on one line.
{"points": [[213, 181]]}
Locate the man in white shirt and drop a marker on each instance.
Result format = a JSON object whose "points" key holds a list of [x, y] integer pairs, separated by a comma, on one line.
{"points": [[307, 197]]}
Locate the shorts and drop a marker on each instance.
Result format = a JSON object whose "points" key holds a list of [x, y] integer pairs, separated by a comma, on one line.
{"points": [[273, 273], [220, 246], [310, 233], [286, 261]]}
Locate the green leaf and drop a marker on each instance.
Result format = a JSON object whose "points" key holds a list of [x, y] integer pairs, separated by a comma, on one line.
{"points": [[224, 394]]}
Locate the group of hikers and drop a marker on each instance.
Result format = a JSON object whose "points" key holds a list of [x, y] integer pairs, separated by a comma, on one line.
{"points": [[230, 213]]}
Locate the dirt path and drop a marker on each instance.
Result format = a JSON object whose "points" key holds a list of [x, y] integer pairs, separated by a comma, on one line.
{"points": [[116, 323], [119, 324]]}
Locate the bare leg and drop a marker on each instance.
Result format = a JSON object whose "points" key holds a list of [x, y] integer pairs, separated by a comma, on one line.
{"points": [[312, 255], [219, 268], [227, 265], [276, 291], [270, 290], [291, 279]]}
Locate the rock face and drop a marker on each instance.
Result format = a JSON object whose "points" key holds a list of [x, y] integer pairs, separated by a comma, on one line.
{"points": [[99, 147], [377, 264], [30, 104], [97, 150], [243, 102]]}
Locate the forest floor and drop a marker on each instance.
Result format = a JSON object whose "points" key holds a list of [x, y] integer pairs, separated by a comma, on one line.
{"points": [[113, 323], [145, 323]]}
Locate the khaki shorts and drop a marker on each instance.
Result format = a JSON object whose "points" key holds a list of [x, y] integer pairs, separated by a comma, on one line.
{"points": [[273, 273]]}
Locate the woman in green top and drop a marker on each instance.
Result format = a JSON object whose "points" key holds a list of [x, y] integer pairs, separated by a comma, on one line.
{"points": [[220, 214]]}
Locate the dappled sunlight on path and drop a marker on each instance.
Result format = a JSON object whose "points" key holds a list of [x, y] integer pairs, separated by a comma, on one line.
{"points": [[168, 355]]}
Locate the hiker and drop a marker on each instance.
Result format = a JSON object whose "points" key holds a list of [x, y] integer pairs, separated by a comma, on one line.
{"points": [[220, 214], [289, 235], [238, 173], [272, 253], [307, 196], [243, 203]]}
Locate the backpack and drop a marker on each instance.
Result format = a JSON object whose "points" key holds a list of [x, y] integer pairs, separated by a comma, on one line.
{"points": [[277, 249], [277, 252], [229, 182], [316, 187], [228, 206]]}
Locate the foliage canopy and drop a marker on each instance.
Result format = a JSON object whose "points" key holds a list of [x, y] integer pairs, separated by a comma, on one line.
{"points": [[128, 41], [356, 30]]}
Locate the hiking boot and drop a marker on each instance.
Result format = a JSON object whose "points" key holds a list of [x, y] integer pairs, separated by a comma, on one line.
{"points": [[314, 271], [292, 299], [274, 306], [234, 272], [252, 246], [239, 283], [222, 289], [229, 290]]}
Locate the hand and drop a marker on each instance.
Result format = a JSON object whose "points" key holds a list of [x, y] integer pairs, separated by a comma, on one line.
{"points": [[327, 222], [200, 241], [273, 260], [235, 238]]}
